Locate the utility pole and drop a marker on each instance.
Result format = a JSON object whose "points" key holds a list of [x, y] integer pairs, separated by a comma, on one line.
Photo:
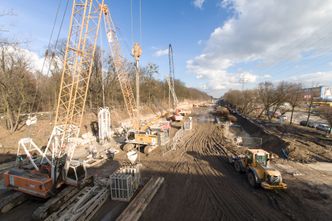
{"points": [[136, 53], [243, 80]]}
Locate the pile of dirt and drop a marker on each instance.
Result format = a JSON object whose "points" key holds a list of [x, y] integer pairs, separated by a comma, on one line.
{"points": [[305, 144], [270, 142], [287, 141]]}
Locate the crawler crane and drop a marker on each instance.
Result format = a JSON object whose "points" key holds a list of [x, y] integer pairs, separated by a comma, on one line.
{"points": [[178, 115], [140, 135], [43, 175]]}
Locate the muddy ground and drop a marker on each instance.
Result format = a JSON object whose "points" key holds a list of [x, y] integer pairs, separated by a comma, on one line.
{"points": [[200, 184], [301, 144]]}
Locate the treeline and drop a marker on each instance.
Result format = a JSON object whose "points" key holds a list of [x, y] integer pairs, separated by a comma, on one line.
{"points": [[268, 98], [25, 90]]}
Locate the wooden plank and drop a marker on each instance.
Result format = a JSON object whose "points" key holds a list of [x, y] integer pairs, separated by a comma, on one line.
{"points": [[137, 206]]}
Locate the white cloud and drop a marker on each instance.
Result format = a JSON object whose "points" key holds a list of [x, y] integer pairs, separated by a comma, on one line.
{"points": [[34, 60], [266, 76], [160, 52], [198, 3], [246, 77], [266, 31], [199, 76], [316, 78]]}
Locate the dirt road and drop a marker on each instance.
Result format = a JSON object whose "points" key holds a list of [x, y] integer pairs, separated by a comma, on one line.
{"points": [[201, 185]]}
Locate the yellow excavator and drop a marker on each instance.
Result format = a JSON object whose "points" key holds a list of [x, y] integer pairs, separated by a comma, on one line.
{"points": [[150, 136], [256, 163]]}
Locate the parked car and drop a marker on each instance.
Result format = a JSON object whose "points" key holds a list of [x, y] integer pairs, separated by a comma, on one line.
{"points": [[283, 117], [315, 113], [303, 123], [311, 124], [324, 127]]}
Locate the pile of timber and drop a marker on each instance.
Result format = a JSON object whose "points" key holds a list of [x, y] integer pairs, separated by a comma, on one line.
{"points": [[137, 206]]}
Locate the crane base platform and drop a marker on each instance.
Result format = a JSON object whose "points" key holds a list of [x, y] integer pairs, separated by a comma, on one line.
{"points": [[28, 181]]}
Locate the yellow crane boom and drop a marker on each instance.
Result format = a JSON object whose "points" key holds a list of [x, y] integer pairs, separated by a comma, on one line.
{"points": [[77, 67], [120, 69]]}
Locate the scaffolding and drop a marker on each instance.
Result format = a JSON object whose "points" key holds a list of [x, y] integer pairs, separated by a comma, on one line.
{"points": [[104, 124]]}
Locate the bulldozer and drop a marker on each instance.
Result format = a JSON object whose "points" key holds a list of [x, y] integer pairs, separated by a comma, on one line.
{"points": [[256, 164]]}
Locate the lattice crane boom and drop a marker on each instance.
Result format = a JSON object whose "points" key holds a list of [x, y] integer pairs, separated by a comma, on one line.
{"points": [[119, 66], [171, 76], [77, 67]]}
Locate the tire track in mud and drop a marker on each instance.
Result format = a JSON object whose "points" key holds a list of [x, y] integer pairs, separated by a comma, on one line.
{"points": [[200, 185], [278, 200], [232, 206]]}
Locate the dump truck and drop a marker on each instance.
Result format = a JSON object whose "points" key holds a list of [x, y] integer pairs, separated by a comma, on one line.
{"points": [[256, 164]]}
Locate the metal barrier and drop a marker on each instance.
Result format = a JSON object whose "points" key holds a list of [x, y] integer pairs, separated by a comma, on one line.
{"points": [[178, 136], [172, 145], [252, 142], [124, 183]]}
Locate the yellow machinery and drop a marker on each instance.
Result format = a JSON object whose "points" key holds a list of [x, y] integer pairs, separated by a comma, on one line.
{"points": [[256, 163], [138, 136]]}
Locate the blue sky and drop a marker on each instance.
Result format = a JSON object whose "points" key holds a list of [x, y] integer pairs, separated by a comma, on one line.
{"points": [[216, 43]]}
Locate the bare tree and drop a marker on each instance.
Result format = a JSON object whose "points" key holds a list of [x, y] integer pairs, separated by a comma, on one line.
{"points": [[267, 96], [280, 97], [245, 101], [310, 101], [17, 88], [326, 113], [294, 97]]}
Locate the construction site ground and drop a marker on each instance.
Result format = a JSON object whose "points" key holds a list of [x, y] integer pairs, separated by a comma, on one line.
{"points": [[200, 184]]}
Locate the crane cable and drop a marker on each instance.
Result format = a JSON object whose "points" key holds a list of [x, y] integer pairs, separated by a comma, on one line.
{"points": [[132, 21], [49, 45], [46, 54], [58, 36], [51, 36], [140, 20], [102, 72]]}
